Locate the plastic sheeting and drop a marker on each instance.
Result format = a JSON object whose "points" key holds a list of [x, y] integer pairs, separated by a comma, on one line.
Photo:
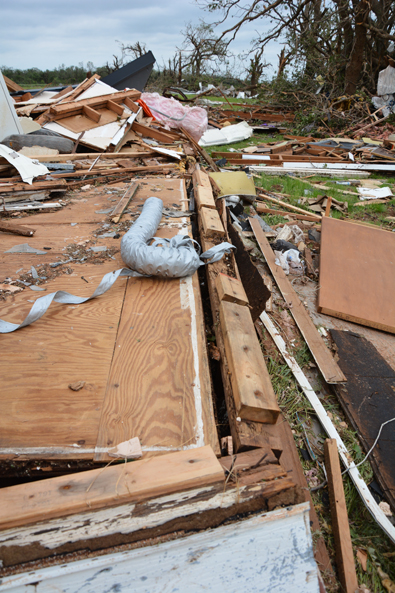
{"points": [[171, 258], [175, 115], [227, 135]]}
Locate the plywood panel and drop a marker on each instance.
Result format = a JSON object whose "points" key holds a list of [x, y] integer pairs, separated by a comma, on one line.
{"points": [[357, 274], [39, 415], [159, 387]]}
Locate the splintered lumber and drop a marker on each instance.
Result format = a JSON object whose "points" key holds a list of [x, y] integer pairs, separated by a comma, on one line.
{"points": [[211, 221], [124, 202], [321, 354], [252, 388], [148, 132], [357, 274], [331, 431], [16, 229], [62, 110], [289, 206], [109, 486], [340, 525], [201, 151], [83, 156], [231, 289], [263, 210]]}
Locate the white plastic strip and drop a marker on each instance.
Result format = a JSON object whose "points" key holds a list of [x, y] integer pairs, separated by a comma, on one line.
{"points": [[331, 431]]}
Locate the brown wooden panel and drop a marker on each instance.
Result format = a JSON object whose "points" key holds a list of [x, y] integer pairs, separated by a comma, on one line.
{"points": [[357, 274], [159, 388]]}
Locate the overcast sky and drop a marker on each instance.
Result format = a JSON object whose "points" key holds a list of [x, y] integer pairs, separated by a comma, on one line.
{"points": [[48, 33]]}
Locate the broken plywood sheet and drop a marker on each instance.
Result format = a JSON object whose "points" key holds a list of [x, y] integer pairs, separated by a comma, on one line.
{"points": [[357, 274], [60, 422], [159, 388]]}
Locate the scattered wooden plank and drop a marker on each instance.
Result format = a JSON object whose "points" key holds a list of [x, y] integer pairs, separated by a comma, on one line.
{"points": [[340, 526], [261, 209], [148, 132], [118, 109], [357, 288], [124, 202], [12, 86], [230, 289], [131, 105], [212, 224], [252, 389], [109, 486], [328, 206], [318, 349], [201, 151], [289, 206], [16, 229]]}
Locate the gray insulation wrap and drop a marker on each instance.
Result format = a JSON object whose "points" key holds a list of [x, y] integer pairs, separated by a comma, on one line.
{"points": [[172, 258]]}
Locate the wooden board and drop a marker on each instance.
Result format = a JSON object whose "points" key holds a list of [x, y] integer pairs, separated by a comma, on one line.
{"points": [[357, 274], [230, 289], [321, 354], [368, 401], [109, 486], [257, 292], [159, 386], [252, 389], [212, 225], [340, 524], [41, 417]]}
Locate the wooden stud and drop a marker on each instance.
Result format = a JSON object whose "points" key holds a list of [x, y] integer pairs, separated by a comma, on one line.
{"points": [[230, 289], [91, 113], [252, 389], [212, 225], [152, 133], [261, 209], [131, 104], [340, 525], [328, 206], [118, 109]]}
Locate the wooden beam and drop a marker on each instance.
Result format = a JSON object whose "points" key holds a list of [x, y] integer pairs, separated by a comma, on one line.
{"points": [[16, 229], [261, 209], [12, 86], [91, 113], [252, 388], [108, 487], [289, 206], [118, 109], [72, 107], [152, 133], [322, 355], [211, 221], [231, 290], [340, 525], [201, 151], [131, 104]]}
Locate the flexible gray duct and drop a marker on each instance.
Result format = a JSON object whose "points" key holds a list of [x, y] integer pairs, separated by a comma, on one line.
{"points": [[172, 258]]}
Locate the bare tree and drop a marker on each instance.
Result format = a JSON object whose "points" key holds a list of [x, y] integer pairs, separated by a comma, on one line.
{"points": [[346, 41], [201, 48]]}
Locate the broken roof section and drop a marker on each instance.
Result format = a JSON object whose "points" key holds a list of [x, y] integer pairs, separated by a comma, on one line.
{"points": [[133, 75]]}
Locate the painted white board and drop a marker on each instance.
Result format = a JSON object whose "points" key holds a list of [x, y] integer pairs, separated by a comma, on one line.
{"points": [[267, 553]]}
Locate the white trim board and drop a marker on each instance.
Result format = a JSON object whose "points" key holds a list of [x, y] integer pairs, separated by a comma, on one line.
{"points": [[269, 552]]}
